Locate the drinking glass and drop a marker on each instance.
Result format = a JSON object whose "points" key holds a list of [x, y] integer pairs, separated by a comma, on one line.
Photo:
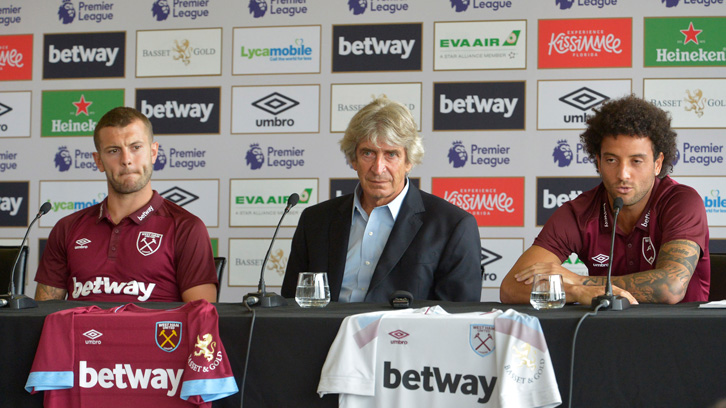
{"points": [[312, 289], [547, 292]]}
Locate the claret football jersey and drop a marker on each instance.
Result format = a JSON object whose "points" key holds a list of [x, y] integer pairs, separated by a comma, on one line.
{"points": [[131, 356]]}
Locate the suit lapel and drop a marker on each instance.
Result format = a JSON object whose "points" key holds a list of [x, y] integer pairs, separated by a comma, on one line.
{"points": [[404, 230], [338, 245]]}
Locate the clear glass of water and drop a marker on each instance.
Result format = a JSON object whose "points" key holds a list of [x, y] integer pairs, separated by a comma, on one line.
{"points": [[312, 289], [547, 292]]}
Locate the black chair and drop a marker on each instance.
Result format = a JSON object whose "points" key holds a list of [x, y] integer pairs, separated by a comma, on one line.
{"points": [[718, 277], [219, 262], [7, 257]]}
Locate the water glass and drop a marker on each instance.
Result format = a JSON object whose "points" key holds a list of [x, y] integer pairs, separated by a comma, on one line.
{"points": [[547, 292], [312, 289]]}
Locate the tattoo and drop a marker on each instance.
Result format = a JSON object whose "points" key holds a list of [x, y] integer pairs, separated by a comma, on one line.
{"points": [[595, 281], [676, 263], [45, 292]]}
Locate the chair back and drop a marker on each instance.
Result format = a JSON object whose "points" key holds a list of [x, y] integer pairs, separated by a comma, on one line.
{"points": [[219, 262], [718, 277], [7, 257]]}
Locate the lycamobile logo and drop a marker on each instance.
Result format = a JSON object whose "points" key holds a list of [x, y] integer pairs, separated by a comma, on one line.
{"points": [[293, 50], [280, 199], [76, 113], [685, 41], [72, 205]]}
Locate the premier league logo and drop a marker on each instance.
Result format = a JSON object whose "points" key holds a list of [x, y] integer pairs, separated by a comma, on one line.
{"points": [[258, 8], [357, 6], [254, 157], [66, 12], [160, 10], [148, 242], [670, 3], [562, 153], [457, 154], [63, 159], [168, 335], [564, 4], [675, 159], [481, 339], [160, 160], [460, 5]]}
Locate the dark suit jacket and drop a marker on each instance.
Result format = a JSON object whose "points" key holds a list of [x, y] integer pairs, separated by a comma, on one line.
{"points": [[433, 251]]}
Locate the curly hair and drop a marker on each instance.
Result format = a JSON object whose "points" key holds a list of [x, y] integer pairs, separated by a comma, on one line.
{"points": [[383, 121], [631, 116]]}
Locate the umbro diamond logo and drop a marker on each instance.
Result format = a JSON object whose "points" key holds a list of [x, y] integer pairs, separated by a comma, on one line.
{"points": [[82, 243], [601, 258], [275, 103], [93, 334], [399, 334], [584, 98]]}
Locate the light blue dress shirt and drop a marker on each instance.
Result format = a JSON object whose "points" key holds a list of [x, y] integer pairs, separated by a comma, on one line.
{"points": [[368, 237]]}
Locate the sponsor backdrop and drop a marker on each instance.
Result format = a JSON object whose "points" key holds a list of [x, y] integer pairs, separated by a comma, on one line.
{"points": [[249, 98]]}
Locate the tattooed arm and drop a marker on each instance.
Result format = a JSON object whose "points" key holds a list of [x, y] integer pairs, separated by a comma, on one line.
{"points": [[45, 292], [667, 283]]}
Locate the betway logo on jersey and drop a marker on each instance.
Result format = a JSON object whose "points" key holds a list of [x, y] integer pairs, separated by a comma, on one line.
{"points": [[80, 159], [478, 155], [347, 99], [178, 52], [479, 105], [480, 45], [16, 57], [377, 47], [493, 201], [76, 113], [191, 10], [553, 192], [15, 114], [461, 6], [685, 41], [432, 379], [124, 376], [181, 110], [89, 55], [568, 104], [276, 109], [276, 50], [585, 43], [260, 202], [96, 11], [14, 203], [692, 103], [104, 285]]}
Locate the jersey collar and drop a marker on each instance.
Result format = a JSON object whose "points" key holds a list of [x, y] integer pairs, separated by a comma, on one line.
{"points": [[141, 215]]}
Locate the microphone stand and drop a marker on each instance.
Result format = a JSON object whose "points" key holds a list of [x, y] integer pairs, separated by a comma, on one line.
{"points": [[17, 301], [262, 297], [608, 300]]}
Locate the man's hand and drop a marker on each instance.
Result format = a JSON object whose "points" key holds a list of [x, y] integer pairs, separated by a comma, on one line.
{"points": [[45, 292], [584, 294], [526, 275]]}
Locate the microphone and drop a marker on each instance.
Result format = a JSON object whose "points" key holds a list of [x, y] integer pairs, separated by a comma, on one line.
{"points": [[15, 301], [608, 300], [400, 299], [261, 297]]}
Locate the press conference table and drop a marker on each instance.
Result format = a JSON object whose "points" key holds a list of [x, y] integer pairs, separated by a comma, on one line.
{"points": [[646, 356]]}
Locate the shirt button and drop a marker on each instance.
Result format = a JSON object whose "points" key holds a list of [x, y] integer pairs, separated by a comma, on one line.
{"points": [[630, 245], [630, 263], [116, 231], [370, 233], [113, 248], [368, 262]]}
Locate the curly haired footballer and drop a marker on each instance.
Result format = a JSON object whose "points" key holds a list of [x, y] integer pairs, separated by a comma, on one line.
{"points": [[632, 116]]}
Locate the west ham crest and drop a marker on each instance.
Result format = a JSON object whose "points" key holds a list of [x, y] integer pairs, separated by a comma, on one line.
{"points": [[168, 335], [481, 338], [648, 250], [148, 242]]}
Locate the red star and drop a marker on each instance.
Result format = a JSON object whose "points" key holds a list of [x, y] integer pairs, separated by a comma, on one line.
{"points": [[691, 34], [82, 106]]}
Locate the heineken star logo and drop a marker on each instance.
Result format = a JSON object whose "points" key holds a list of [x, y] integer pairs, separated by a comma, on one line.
{"points": [[82, 106], [691, 34]]}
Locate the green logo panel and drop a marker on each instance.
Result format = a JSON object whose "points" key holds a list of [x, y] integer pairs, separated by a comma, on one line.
{"points": [[685, 42], [76, 113]]}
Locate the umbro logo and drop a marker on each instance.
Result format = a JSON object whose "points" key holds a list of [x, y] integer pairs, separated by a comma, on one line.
{"points": [[601, 260], [93, 336], [179, 196], [584, 98], [275, 103], [399, 334], [82, 243]]}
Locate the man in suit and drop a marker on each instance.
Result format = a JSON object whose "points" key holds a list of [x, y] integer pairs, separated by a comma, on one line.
{"points": [[388, 235]]}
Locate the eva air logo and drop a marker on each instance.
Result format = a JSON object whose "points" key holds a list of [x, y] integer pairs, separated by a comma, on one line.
{"points": [[76, 113]]}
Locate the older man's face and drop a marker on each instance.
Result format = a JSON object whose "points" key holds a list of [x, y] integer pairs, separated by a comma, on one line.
{"points": [[382, 172]]}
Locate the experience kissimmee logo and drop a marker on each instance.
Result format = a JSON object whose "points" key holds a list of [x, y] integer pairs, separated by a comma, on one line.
{"points": [[16, 57], [493, 201], [585, 43]]}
